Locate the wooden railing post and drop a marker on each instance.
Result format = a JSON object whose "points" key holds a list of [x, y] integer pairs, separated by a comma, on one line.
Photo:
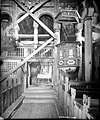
{"points": [[73, 94], [13, 90], [84, 106]]}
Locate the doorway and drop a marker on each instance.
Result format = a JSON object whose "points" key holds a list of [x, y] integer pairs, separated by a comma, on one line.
{"points": [[39, 74]]}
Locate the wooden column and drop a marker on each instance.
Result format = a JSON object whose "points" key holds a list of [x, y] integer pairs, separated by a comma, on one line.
{"points": [[88, 45], [57, 32], [35, 34], [25, 76], [29, 70], [55, 70], [80, 39], [55, 67], [80, 70], [25, 68], [65, 95]]}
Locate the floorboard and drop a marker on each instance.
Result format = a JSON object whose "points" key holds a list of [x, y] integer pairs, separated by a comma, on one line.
{"points": [[36, 110]]}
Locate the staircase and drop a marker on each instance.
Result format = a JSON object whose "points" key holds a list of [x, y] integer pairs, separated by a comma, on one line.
{"points": [[41, 94]]}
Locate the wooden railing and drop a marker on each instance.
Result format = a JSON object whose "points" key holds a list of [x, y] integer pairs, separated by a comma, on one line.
{"points": [[11, 88], [22, 51], [8, 65]]}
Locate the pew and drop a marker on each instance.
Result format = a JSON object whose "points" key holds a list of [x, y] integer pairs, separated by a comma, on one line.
{"points": [[92, 107], [82, 94]]}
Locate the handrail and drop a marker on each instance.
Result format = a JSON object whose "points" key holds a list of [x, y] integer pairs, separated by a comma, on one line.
{"points": [[25, 60]]}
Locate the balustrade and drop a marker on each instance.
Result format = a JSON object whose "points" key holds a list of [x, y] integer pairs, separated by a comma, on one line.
{"points": [[8, 65], [11, 88], [23, 51]]}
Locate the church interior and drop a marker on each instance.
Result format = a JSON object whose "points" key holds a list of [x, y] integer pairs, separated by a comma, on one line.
{"points": [[49, 59]]}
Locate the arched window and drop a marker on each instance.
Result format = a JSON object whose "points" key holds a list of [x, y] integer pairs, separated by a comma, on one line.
{"points": [[6, 20], [26, 27], [48, 21]]}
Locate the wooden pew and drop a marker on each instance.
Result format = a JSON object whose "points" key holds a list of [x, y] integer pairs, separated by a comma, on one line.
{"points": [[80, 102], [92, 107]]}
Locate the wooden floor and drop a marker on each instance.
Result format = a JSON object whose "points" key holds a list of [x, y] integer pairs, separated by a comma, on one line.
{"points": [[36, 110]]}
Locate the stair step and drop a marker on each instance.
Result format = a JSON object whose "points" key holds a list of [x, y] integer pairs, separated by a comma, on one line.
{"points": [[38, 96], [39, 88], [39, 100], [39, 91]]}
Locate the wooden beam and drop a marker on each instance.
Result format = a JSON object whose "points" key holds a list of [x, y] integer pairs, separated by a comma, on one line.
{"points": [[33, 9], [26, 59], [32, 36], [36, 7], [36, 19]]}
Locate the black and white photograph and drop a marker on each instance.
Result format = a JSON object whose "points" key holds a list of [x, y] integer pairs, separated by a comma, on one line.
{"points": [[50, 59]]}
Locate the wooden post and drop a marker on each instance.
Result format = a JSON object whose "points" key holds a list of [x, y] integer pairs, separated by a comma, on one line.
{"points": [[84, 107], [73, 94], [57, 32], [80, 39], [65, 95], [80, 70], [35, 34], [88, 45], [29, 75], [25, 77], [55, 70]]}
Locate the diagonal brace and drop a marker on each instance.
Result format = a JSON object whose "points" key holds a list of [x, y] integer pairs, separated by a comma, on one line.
{"points": [[26, 59], [36, 19], [32, 10]]}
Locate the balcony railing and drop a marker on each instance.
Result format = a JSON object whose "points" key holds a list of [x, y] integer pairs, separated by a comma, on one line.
{"points": [[22, 52]]}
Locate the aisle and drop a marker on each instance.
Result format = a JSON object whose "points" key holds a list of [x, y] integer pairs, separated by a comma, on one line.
{"points": [[36, 110]]}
